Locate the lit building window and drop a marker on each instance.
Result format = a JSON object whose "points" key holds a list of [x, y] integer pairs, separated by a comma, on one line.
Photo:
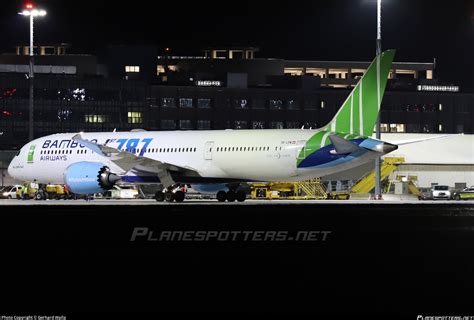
{"points": [[440, 128], [384, 127], [322, 104], [131, 69], [429, 74], [397, 127], [173, 68], [160, 69], [440, 107], [135, 117], [95, 118]]}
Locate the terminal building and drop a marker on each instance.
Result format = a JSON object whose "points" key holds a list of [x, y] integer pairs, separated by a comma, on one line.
{"points": [[143, 87]]}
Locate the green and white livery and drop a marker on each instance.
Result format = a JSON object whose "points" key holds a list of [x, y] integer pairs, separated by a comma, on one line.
{"points": [[93, 162]]}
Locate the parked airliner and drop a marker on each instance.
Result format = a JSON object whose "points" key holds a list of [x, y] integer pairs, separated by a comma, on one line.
{"points": [[93, 162]]}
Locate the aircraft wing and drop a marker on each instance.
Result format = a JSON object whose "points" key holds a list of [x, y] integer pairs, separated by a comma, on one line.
{"points": [[127, 160]]}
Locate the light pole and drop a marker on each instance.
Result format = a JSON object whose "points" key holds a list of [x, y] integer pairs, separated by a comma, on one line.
{"points": [[378, 191], [31, 12]]}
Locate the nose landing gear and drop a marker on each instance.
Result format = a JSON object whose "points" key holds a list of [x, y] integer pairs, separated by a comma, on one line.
{"points": [[173, 193]]}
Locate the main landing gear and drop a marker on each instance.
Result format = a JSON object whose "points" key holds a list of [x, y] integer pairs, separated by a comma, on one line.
{"points": [[176, 193], [231, 196]]}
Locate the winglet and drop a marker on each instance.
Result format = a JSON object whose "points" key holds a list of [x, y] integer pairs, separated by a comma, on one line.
{"points": [[343, 146], [94, 147]]}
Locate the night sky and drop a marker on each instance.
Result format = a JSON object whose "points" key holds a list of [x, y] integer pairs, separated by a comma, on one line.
{"points": [[420, 30]]}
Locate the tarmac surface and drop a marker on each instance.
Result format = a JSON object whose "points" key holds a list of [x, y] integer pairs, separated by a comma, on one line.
{"points": [[374, 259], [149, 202]]}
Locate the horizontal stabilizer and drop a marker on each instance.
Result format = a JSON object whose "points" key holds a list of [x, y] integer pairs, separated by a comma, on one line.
{"points": [[404, 142], [343, 146]]}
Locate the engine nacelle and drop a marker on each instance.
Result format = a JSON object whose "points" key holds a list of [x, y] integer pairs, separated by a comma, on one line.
{"points": [[89, 177]]}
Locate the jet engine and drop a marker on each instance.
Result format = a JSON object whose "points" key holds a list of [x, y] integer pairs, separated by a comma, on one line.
{"points": [[89, 177]]}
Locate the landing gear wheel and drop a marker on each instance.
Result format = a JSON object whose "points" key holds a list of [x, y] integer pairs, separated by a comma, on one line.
{"points": [[39, 196], [240, 196], [169, 196], [221, 196], [160, 196], [231, 196], [179, 196]]}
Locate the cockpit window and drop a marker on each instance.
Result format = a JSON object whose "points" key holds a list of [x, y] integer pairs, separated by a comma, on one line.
{"points": [[18, 153]]}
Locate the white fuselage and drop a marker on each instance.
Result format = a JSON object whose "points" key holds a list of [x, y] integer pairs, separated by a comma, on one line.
{"points": [[245, 155]]}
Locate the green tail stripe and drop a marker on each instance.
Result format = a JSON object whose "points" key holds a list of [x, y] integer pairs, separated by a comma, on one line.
{"points": [[359, 112], [373, 85]]}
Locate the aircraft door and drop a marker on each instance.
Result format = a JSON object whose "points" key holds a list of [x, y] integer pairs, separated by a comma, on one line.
{"points": [[208, 150]]}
